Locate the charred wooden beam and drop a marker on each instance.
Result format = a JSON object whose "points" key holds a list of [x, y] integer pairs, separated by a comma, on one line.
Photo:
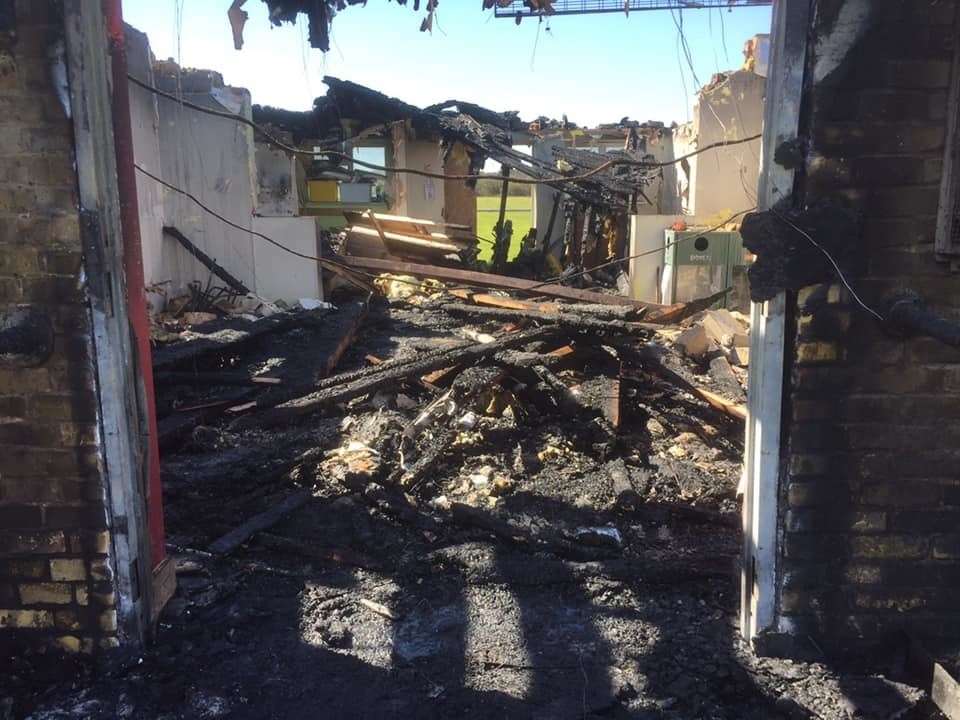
{"points": [[207, 261], [377, 377], [570, 320], [479, 279]]}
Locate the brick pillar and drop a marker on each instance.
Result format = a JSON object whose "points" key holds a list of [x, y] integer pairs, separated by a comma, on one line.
{"points": [[871, 498], [56, 584]]}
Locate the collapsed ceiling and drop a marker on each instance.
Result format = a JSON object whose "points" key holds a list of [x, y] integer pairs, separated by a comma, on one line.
{"points": [[349, 109], [320, 14]]}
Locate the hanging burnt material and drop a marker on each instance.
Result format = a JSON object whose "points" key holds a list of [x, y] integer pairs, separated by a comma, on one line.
{"points": [[792, 247]]}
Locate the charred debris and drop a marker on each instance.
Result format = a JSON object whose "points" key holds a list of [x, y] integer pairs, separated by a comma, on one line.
{"points": [[455, 501], [586, 238]]}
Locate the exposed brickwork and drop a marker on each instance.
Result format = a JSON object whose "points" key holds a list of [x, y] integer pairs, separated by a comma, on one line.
{"points": [[871, 502], [53, 538]]}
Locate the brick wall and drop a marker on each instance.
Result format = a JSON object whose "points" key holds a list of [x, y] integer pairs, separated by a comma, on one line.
{"points": [[871, 502], [55, 577]]}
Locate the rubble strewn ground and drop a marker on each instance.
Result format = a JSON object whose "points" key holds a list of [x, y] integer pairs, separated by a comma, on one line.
{"points": [[514, 555]]}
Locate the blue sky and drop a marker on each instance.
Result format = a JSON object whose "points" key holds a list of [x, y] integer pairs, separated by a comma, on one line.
{"points": [[593, 68]]}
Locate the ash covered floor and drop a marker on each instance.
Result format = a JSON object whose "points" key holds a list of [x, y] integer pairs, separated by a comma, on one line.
{"points": [[514, 555]]}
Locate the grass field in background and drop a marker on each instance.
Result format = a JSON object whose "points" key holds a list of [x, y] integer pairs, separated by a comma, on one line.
{"points": [[519, 212]]}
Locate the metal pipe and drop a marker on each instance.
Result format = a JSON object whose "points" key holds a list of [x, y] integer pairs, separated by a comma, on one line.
{"points": [[907, 312]]}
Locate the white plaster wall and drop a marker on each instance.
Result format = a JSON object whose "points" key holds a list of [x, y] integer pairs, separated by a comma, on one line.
{"points": [[726, 178], [213, 159], [424, 196], [276, 183], [159, 261], [647, 235], [282, 276]]}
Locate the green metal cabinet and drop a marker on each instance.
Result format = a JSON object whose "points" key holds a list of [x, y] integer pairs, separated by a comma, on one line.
{"points": [[698, 264]]}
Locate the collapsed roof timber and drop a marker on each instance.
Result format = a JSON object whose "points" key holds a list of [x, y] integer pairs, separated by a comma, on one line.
{"points": [[487, 133], [322, 12]]}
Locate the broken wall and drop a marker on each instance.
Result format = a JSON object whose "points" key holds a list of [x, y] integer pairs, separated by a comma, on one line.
{"points": [[162, 258], [723, 181], [213, 159], [414, 195], [460, 199], [56, 585], [870, 501]]}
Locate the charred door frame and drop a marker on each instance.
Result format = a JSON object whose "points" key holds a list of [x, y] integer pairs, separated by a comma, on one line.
{"points": [[762, 452], [122, 411]]}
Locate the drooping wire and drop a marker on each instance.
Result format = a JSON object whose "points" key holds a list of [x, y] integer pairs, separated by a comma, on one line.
{"points": [[614, 162], [829, 257]]}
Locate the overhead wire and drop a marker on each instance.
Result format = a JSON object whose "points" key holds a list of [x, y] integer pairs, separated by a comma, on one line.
{"points": [[614, 162], [343, 268], [324, 262], [780, 216]]}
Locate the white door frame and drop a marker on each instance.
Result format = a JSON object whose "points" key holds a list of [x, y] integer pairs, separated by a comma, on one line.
{"points": [[122, 463], [762, 455]]}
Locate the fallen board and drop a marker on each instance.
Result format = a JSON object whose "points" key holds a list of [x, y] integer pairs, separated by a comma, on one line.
{"points": [[220, 335], [267, 519], [471, 277]]}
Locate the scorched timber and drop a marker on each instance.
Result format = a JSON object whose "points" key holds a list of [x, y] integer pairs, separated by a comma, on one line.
{"points": [[383, 376], [568, 320], [504, 282]]}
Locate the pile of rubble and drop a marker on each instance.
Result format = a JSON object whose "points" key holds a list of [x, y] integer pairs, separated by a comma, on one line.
{"points": [[453, 503]]}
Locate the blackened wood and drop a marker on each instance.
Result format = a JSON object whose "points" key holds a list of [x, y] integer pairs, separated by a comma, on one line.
{"points": [[208, 262]]}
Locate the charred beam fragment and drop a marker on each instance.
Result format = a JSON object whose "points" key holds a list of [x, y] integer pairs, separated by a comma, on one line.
{"points": [[208, 262], [294, 409]]}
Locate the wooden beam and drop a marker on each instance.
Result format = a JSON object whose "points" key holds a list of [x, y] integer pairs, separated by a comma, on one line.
{"points": [[480, 279], [501, 241], [390, 238], [262, 521], [208, 262]]}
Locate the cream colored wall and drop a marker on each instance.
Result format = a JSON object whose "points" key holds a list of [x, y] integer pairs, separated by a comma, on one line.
{"points": [[725, 179]]}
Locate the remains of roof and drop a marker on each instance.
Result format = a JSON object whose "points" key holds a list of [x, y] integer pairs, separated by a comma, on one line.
{"points": [[351, 109], [320, 14]]}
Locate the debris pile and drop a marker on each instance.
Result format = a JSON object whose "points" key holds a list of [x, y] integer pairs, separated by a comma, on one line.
{"points": [[454, 503]]}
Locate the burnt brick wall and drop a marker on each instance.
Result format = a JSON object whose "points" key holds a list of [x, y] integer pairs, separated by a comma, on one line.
{"points": [[871, 503], [56, 584]]}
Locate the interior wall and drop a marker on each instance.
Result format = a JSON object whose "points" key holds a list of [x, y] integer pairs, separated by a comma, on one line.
{"points": [[647, 235], [211, 158], [284, 276], [160, 258], [725, 179], [424, 196]]}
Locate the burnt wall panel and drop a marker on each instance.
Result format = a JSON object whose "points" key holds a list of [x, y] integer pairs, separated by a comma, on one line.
{"points": [[55, 578], [871, 502]]}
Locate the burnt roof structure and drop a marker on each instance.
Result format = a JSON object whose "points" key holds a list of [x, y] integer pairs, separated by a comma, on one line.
{"points": [[486, 132], [321, 13]]}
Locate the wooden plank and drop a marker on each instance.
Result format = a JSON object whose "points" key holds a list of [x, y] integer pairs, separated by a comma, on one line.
{"points": [[390, 238], [503, 302], [267, 519], [504, 282], [222, 335], [354, 316], [725, 406]]}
